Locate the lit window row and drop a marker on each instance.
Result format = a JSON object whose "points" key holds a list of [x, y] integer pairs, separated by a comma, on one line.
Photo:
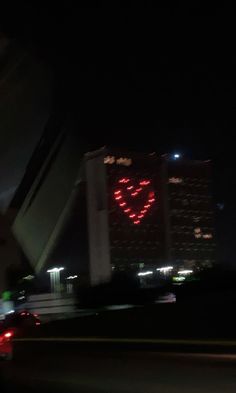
{"points": [[198, 233], [188, 194], [175, 180], [192, 213], [192, 227]]}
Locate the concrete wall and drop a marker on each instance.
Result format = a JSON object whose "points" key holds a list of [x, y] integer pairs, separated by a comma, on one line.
{"points": [[41, 218], [9, 250], [99, 249], [25, 103]]}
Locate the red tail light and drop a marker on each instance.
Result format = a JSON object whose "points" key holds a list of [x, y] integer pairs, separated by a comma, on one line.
{"points": [[8, 334]]}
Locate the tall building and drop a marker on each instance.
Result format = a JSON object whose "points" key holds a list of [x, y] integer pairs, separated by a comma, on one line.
{"points": [[190, 218], [116, 211], [148, 211]]}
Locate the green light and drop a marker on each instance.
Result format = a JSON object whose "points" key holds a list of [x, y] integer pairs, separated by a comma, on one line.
{"points": [[178, 278]]}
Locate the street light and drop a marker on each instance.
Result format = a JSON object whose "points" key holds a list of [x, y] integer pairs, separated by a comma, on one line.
{"points": [[185, 272], [55, 278], [176, 155], [164, 269], [69, 283], [28, 278], [55, 269], [147, 273]]}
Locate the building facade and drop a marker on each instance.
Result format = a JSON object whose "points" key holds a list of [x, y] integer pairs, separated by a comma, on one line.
{"points": [[150, 212], [190, 213], [111, 211]]}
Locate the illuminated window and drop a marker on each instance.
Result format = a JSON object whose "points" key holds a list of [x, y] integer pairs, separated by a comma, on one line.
{"points": [[119, 161], [124, 161], [136, 199], [109, 160], [207, 236], [175, 180]]}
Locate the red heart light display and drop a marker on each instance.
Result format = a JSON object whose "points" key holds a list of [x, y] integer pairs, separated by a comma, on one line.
{"points": [[134, 200]]}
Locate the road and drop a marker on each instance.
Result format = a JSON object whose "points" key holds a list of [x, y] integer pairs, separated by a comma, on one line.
{"points": [[102, 368]]}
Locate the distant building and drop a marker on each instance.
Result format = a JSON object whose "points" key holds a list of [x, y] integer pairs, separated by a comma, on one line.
{"points": [[190, 217], [116, 211], [149, 211]]}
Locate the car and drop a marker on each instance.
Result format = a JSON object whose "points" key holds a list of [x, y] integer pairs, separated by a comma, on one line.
{"points": [[21, 322], [15, 325]]}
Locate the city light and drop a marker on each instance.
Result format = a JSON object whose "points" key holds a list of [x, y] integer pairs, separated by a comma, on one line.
{"points": [[10, 312], [109, 160], [8, 334], [207, 236], [55, 269], [165, 269], [175, 180], [144, 182], [55, 278], [185, 272], [124, 180], [29, 277], [127, 198], [125, 161], [178, 279], [176, 156], [71, 277], [147, 273]]}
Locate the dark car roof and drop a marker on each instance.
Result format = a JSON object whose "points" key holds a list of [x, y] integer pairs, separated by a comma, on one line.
{"points": [[12, 320]]}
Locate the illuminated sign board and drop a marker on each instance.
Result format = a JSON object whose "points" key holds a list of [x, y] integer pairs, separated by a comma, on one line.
{"points": [[125, 161]]}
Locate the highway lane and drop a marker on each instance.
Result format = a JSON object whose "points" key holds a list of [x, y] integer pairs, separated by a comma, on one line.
{"points": [[101, 368]]}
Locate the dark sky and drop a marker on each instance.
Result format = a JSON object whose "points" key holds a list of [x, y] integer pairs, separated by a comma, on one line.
{"points": [[145, 79]]}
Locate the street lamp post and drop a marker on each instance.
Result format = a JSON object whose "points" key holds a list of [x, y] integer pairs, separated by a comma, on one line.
{"points": [[55, 279], [69, 284]]}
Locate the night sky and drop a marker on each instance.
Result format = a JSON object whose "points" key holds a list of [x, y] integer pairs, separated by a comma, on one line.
{"points": [[145, 79]]}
